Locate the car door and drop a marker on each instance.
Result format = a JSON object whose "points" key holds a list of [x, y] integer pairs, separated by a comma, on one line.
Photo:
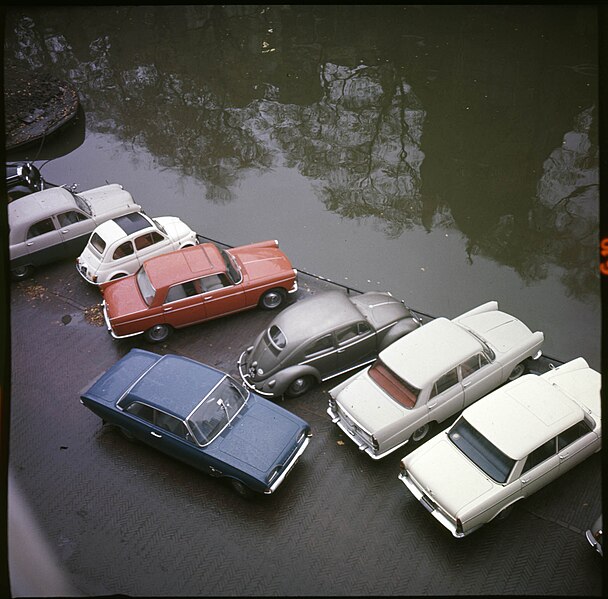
{"points": [[446, 397], [575, 444], [356, 346], [151, 244], [120, 258], [221, 296], [479, 376], [165, 433], [541, 467], [183, 304], [43, 242], [75, 228], [321, 354]]}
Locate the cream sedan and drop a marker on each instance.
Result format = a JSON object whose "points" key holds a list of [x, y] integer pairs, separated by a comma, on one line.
{"points": [[506, 446], [429, 375]]}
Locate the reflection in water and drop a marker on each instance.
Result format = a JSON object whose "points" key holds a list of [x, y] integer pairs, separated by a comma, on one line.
{"points": [[393, 114]]}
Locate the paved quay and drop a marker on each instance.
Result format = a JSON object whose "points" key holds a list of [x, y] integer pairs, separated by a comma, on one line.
{"points": [[121, 518]]}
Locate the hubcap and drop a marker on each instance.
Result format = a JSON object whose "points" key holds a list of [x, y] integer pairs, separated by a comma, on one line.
{"points": [[272, 300]]}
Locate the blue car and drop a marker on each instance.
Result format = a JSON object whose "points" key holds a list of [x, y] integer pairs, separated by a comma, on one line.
{"points": [[200, 416]]}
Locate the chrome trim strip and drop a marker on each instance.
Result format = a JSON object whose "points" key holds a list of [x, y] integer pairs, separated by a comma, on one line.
{"points": [[289, 467]]}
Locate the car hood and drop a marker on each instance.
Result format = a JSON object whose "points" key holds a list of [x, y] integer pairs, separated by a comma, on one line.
{"points": [[262, 262], [109, 199], [501, 331], [175, 227], [260, 438], [446, 475], [122, 297], [368, 404]]}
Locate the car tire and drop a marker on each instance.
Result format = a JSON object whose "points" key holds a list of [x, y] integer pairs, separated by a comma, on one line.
{"points": [[272, 299], [127, 434], [517, 372], [158, 333], [422, 433], [504, 514], [299, 386], [21, 272], [240, 488]]}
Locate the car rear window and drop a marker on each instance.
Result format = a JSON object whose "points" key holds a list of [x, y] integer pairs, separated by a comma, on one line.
{"points": [[98, 243], [481, 451], [277, 338], [396, 387]]}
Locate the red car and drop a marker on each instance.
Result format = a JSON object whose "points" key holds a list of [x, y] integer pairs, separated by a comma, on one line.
{"points": [[195, 284]]}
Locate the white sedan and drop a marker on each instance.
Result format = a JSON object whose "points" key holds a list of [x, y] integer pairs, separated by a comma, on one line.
{"points": [[429, 375], [508, 445], [120, 246]]}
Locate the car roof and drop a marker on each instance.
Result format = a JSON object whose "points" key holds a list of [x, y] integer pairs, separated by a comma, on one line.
{"points": [[33, 207], [175, 384], [122, 226], [184, 265], [316, 315], [524, 414], [430, 351]]}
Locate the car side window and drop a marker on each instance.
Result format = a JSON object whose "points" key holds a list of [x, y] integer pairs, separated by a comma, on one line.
{"points": [[144, 241], [71, 217], [319, 346], [471, 365], [142, 410], [171, 424], [183, 290], [351, 332], [213, 282], [123, 250], [540, 454], [41, 227], [449, 379], [580, 429]]}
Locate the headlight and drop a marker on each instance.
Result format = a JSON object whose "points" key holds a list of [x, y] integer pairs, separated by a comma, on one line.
{"points": [[260, 372]]}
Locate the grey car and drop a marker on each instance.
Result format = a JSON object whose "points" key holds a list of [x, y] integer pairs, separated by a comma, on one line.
{"points": [[322, 337], [56, 223]]}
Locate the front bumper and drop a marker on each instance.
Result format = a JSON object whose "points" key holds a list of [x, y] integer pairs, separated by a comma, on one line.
{"points": [[289, 466], [246, 377]]}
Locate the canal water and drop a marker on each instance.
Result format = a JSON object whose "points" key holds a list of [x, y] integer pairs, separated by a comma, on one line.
{"points": [[448, 154]]}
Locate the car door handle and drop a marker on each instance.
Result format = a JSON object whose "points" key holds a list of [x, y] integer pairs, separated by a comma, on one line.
{"points": [[563, 456], [431, 404], [340, 351], [30, 243], [525, 481], [65, 231], [156, 435], [168, 309], [208, 297]]}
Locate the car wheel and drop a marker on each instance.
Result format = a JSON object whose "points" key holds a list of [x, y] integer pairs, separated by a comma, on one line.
{"points": [[127, 434], [272, 299], [21, 272], [300, 386], [517, 372], [240, 488], [158, 333], [420, 434], [504, 514]]}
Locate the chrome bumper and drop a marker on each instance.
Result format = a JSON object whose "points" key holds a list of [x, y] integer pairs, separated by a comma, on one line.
{"points": [[289, 466]]}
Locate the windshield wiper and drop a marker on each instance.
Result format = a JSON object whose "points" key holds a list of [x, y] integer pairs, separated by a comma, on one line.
{"points": [[220, 402]]}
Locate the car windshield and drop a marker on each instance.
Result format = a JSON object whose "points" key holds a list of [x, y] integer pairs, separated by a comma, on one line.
{"points": [[489, 351], [231, 267], [400, 390], [484, 454], [81, 203], [160, 227], [145, 287], [216, 410]]}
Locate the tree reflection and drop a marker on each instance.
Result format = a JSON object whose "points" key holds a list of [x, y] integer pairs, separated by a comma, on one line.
{"points": [[394, 114]]}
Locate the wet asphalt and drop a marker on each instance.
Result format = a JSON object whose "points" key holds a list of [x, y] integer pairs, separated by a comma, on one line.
{"points": [[121, 518]]}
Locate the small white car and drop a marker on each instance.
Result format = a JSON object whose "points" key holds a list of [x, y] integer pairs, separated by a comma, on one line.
{"points": [[429, 375], [56, 223], [508, 445], [118, 247]]}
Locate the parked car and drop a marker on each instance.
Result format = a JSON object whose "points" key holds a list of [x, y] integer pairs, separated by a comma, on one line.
{"points": [[321, 337], [22, 178], [196, 284], [430, 375], [201, 416], [595, 536], [507, 446], [56, 223], [119, 246]]}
